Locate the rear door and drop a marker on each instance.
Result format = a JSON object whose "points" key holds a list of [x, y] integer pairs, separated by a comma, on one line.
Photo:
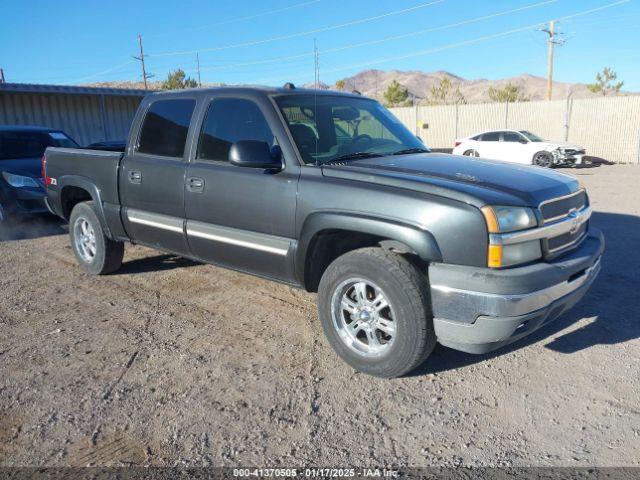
{"points": [[489, 145], [152, 176], [239, 217]]}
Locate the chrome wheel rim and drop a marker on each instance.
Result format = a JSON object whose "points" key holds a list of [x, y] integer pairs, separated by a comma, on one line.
{"points": [[363, 317], [542, 160], [85, 239]]}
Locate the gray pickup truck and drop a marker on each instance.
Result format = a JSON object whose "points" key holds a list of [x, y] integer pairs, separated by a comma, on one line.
{"points": [[329, 192]]}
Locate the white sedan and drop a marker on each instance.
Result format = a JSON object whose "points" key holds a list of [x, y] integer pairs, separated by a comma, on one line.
{"points": [[519, 146]]}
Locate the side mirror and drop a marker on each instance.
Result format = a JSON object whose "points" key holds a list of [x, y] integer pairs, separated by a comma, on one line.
{"points": [[254, 154], [522, 140]]}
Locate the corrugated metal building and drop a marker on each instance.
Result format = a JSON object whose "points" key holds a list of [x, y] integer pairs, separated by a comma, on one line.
{"points": [[87, 114]]}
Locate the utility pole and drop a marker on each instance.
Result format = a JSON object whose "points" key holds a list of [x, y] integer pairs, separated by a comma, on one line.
{"points": [[551, 31], [198, 62], [316, 60], [1, 75], [141, 58]]}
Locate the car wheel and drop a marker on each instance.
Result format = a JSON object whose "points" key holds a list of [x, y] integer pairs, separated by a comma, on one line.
{"points": [[471, 153], [543, 159], [96, 253], [374, 310]]}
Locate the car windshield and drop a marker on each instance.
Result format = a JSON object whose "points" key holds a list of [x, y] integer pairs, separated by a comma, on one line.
{"points": [[531, 137], [26, 144], [329, 128]]}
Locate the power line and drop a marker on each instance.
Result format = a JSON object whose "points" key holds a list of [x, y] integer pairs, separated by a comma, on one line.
{"points": [[109, 70], [381, 40], [240, 19], [300, 34], [478, 39], [460, 44]]}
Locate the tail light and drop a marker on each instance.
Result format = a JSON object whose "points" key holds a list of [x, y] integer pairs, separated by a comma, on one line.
{"points": [[43, 164], [457, 144]]}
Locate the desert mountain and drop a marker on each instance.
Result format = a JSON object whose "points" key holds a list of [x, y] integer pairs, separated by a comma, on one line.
{"points": [[373, 83]]}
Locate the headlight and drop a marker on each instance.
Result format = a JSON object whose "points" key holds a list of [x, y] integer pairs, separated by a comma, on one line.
{"points": [[508, 219], [18, 181]]}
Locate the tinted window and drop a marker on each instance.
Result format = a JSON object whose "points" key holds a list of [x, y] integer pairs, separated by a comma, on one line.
{"points": [[164, 130], [26, 144], [511, 137], [491, 137], [230, 120]]}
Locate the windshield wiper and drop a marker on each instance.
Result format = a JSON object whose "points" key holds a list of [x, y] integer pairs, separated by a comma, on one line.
{"points": [[407, 151], [353, 156]]}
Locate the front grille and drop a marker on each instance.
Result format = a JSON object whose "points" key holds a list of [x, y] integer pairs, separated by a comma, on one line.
{"points": [[568, 239], [561, 207]]}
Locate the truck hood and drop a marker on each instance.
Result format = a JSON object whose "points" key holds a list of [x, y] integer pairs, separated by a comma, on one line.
{"points": [[27, 167], [472, 180]]}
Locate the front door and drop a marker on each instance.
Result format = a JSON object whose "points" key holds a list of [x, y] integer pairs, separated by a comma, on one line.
{"points": [[152, 177], [513, 147], [239, 217]]}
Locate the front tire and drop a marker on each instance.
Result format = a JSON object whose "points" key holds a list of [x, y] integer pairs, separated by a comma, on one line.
{"points": [[96, 253], [543, 159], [375, 312]]}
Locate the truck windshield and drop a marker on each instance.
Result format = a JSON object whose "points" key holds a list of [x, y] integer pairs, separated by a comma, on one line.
{"points": [[25, 144], [330, 128]]}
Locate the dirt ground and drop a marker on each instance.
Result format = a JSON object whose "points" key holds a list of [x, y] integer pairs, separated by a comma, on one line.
{"points": [[169, 362]]}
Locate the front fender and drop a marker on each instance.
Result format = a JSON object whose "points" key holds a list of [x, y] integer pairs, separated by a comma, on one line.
{"points": [[419, 241]]}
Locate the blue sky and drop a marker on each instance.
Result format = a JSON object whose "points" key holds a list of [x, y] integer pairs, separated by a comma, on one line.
{"points": [[271, 41]]}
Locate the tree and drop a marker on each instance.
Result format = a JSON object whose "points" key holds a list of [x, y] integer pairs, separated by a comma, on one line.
{"points": [[396, 95], [604, 82], [444, 93], [509, 93], [177, 80], [340, 84]]}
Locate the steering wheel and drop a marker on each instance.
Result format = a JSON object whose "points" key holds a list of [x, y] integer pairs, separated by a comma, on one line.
{"points": [[361, 138]]}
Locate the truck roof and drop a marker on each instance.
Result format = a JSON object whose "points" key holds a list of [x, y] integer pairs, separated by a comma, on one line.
{"points": [[257, 90]]}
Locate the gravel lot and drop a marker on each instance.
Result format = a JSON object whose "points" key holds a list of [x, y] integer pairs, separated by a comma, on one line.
{"points": [[169, 362]]}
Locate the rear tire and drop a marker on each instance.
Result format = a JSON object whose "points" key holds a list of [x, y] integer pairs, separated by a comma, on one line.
{"points": [[96, 253], [471, 153], [374, 310]]}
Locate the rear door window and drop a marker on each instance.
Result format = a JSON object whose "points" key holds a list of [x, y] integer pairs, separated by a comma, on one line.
{"points": [[491, 137], [229, 120], [165, 126]]}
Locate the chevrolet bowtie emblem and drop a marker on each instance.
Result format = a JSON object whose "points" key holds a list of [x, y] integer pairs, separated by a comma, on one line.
{"points": [[575, 221]]}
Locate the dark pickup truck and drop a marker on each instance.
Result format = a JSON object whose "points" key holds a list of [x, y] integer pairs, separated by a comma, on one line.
{"points": [[329, 192]]}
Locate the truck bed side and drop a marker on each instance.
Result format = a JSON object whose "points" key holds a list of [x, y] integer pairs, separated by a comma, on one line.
{"points": [[80, 175]]}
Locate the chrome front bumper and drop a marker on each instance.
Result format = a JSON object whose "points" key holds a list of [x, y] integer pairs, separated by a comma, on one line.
{"points": [[476, 310]]}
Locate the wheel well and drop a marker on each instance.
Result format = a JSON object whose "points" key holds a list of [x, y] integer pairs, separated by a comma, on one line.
{"points": [[70, 197], [328, 245]]}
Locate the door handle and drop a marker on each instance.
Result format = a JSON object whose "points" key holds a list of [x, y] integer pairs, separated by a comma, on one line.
{"points": [[195, 184], [135, 177]]}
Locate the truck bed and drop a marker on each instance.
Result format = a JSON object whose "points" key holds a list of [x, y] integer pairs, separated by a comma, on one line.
{"points": [[68, 166]]}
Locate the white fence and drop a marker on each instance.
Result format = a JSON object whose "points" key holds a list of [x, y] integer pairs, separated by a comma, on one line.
{"points": [[607, 127]]}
